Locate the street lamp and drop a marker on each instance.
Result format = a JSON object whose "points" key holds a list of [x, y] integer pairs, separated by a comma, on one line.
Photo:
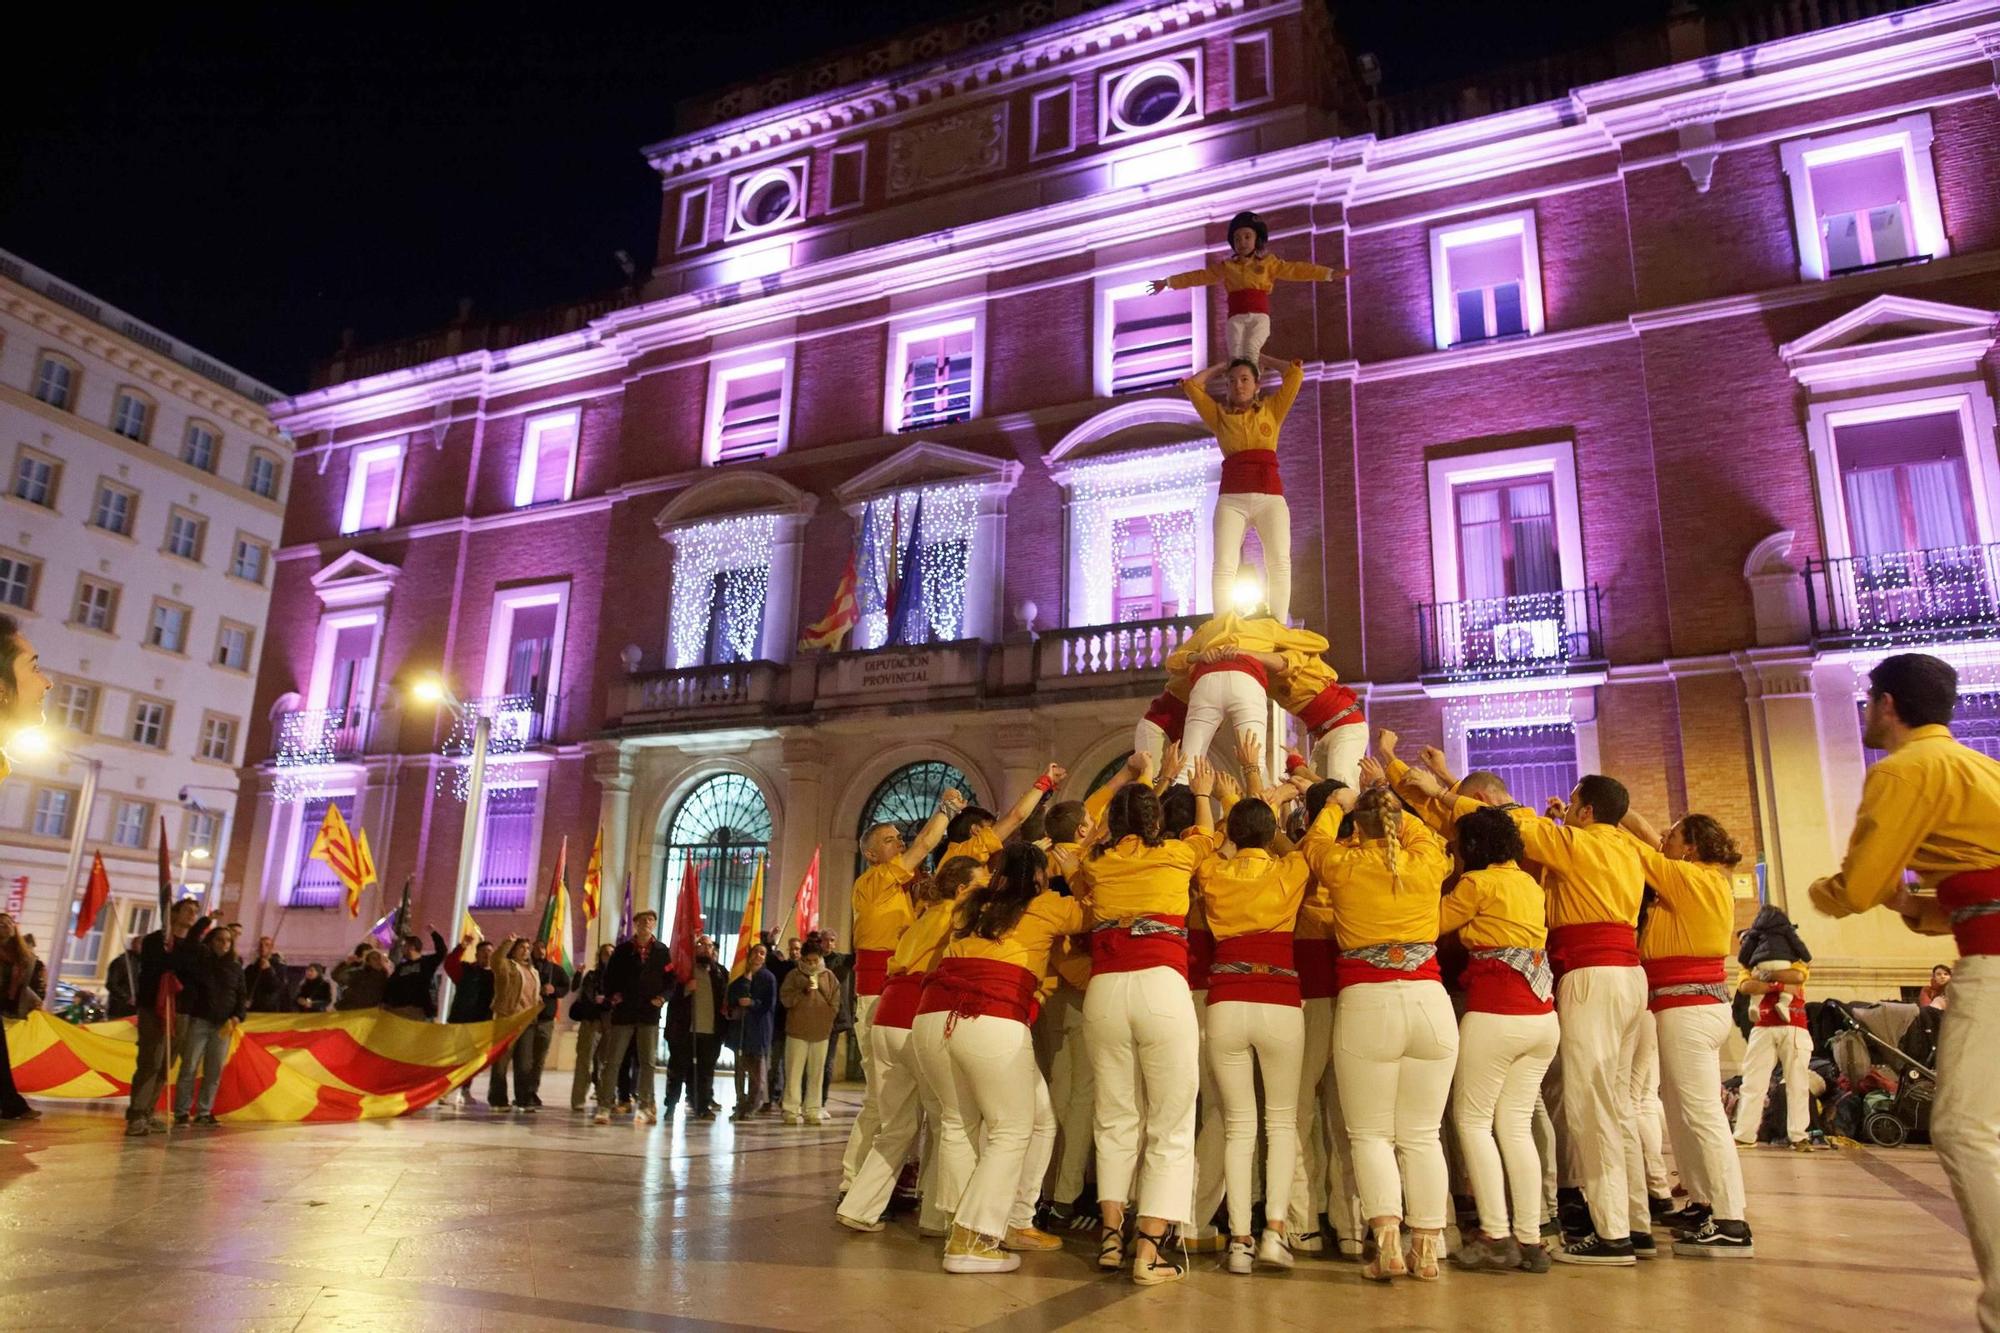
{"points": [[31, 743], [432, 690]]}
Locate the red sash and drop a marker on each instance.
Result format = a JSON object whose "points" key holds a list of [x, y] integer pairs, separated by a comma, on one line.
{"points": [[1492, 987], [1359, 972], [1249, 666], [900, 996], [1168, 714], [1664, 973], [1976, 935], [1250, 301], [1276, 980], [1593, 944], [1251, 472], [1117, 949], [979, 988], [871, 970], [1336, 704], [1200, 957], [1315, 961]]}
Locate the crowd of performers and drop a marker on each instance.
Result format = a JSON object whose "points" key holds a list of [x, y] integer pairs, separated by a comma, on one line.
{"points": [[1158, 980]]}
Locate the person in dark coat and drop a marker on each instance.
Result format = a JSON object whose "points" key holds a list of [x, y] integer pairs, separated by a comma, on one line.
{"points": [[121, 983], [165, 952], [264, 976], [636, 982], [315, 991], [472, 991], [593, 1018], [409, 990], [214, 997], [363, 987], [553, 979], [753, 999], [697, 1012]]}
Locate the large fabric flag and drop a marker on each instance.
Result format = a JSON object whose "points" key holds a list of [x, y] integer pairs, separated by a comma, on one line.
{"points": [[625, 918], [344, 854], [876, 572], [170, 985], [166, 881], [96, 893], [753, 920], [383, 932], [805, 903], [687, 925], [906, 612], [593, 882], [554, 934], [467, 926], [829, 634]]}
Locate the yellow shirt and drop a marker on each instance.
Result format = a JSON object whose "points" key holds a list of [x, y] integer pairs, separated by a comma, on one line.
{"points": [[882, 907], [1315, 920], [1379, 898], [1251, 892], [1500, 907], [1932, 806], [1131, 879], [1694, 908], [980, 846], [1439, 812], [923, 943], [1255, 427], [1050, 917], [1250, 634], [1593, 872], [1259, 273]]}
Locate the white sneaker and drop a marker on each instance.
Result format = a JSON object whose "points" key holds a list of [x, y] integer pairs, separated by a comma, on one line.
{"points": [[601, 1118], [647, 1117], [1242, 1258], [1272, 1250], [1307, 1242]]}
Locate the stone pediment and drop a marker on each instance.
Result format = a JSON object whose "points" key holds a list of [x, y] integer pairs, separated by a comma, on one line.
{"points": [[925, 464], [1130, 428], [734, 493], [1891, 337], [354, 579]]}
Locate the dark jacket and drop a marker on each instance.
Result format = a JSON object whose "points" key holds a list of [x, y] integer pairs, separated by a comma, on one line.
{"points": [[556, 976], [588, 1006], [315, 996], [410, 981], [269, 987], [779, 968], [637, 981], [1771, 936], [680, 1001], [361, 988], [213, 987], [472, 991], [752, 1026], [121, 985], [156, 960]]}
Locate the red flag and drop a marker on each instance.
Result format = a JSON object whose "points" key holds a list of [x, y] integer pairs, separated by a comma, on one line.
{"points": [[687, 925], [95, 894], [167, 894], [805, 908]]}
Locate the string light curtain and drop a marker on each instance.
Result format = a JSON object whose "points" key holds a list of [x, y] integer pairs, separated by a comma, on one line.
{"points": [[732, 607], [1169, 489], [945, 531]]}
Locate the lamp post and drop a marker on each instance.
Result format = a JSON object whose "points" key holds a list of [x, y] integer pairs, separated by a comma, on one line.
{"points": [[433, 691], [66, 903], [213, 898]]}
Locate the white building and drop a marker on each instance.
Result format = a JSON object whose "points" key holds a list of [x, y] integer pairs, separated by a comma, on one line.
{"points": [[144, 494]]}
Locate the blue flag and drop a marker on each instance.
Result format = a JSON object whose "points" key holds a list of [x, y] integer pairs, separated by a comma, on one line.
{"points": [[907, 622]]}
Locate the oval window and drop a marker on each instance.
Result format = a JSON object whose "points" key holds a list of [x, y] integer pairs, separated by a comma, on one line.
{"points": [[768, 202], [1152, 98]]}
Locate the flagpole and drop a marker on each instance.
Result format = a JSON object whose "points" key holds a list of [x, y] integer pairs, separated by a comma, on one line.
{"points": [[67, 903], [475, 783]]}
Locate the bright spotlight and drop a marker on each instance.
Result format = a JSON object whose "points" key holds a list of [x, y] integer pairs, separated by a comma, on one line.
{"points": [[428, 690], [197, 853], [1247, 594], [30, 743]]}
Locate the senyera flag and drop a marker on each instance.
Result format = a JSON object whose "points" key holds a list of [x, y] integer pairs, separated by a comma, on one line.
{"points": [[96, 893], [344, 854], [593, 881], [554, 934], [753, 919], [687, 924]]}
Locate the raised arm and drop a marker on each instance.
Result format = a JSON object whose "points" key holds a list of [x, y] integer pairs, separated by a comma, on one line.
{"points": [[1888, 829], [932, 833], [1024, 807], [1204, 406], [1294, 377], [1194, 277], [1201, 781], [1299, 270], [1135, 770], [1641, 828]]}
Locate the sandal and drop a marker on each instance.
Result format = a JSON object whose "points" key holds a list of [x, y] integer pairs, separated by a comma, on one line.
{"points": [[1110, 1247], [1159, 1268]]}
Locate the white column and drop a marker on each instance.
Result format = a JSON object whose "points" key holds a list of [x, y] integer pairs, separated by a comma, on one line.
{"points": [[611, 770], [780, 633], [985, 591], [802, 826]]}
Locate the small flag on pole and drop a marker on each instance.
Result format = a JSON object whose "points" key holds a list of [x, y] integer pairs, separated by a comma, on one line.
{"points": [[687, 924], [830, 633], [554, 935], [753, 920], [805, 908], [344, 854], [166, 877], [593, 881], [625, 921], [96, 893]]}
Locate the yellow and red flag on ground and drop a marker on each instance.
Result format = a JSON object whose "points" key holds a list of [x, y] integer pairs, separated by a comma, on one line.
{"points": [[554, 935], [96, 893], [593, 882], [753, 921], [346, 854]]}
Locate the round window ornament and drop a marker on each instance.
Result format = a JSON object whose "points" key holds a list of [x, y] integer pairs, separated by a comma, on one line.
{"points": [[1152, 95], [766, 200]]}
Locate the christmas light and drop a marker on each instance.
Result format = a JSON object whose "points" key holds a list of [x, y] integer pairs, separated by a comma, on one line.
{"points": [[513, 724], [1169, 489], [944, 556], [701, 553], [305, 750]]}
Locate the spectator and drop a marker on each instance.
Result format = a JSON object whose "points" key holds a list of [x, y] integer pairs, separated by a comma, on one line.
{"points": [[13, 1106], [592, 1018], [161, 953], [779, 964], [315, 992], [695, 1017], [1937, 994], [350, 967], [366, 985], [121, 983], [752, 998], [838, 1045], [811, 997], [18, 969], [214, 1001], [552, 983], [409, 990], [264, 978], [635, 982], [515, 987], [472, 996]]}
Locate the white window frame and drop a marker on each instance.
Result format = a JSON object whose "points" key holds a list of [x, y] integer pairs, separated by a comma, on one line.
{"points": [[214, 445], [330, 627], [531, 447], [61, 710], [117, 591], [506, 602], [743, 187], [1444, 310], [846, 150], [1911, 135], [166, 722], [1133, 282], [1037, 110], [55, 467], [200, 534], [357, 478], [148, 409], [1260, 40], [69, 388], [693, 200], [1970, 401], [249, 633], [31, 570], [209, 723], [1555, 461], [153, 625], [277, 473], [535, 839], [69, 795], [118, 813], [105, 484], [263, 551], [1185, 67], [904, 332], [721, 375]]}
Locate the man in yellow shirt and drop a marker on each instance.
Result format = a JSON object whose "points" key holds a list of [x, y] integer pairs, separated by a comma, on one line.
{"points": [[1246, 426], [1932, 806]]}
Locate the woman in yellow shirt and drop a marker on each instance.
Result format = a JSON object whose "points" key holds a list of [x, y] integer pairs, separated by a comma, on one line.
{"points": [[1252, 495], [1395, 1039]]}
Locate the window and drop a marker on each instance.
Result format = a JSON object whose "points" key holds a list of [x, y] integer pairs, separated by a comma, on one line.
{"points": [[232, 646], [35, 479], [1140, 525], [1486, 279], [1250, 70], [693, 229], [130, 823], [748, 410], [52, 811], [1905, 484], [55, 381], [1148, 342], [506, 849], [719, 831], [17, 581], [935, 374], [847, 182], [149, 723], [907, 797], [114, 508], [96, 605], [768, 198], [722, 575], [247, 562], [131, 415], [185, 533], [73, 705], [924, 602], [524, 646], [1535, 761], [548, 460], [313, 882], [80, 958], [263, 478], [1864, 197], [218, 738], [374, 479], [1507, 538], [1149, 97], [1053, 122], [198, 446], [1143, 586], [168, 629], [199, 832]]}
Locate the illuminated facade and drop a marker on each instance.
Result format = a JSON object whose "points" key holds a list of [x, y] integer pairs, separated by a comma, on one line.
{"points": [[1655, 408]]}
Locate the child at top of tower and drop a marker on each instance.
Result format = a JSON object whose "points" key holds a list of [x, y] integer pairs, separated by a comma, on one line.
{"points": [[1247, 276]]}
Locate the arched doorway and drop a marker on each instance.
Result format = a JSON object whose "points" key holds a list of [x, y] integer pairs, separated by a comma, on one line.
{"points": [[720, 828], [908, 797]]}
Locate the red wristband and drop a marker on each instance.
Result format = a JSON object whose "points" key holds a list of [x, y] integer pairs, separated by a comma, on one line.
{"points": [[1294, 762], [1045, 783]]}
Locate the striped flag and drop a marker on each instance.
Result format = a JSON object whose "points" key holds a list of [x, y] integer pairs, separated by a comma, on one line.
{"points": [[830, 634], [753, 920], [554, 935], [593, 882], [344, 854]]}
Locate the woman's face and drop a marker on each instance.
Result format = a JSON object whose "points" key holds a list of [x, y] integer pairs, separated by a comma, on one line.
{"points": [[27, 689], [520, 951], [312, 971], [1940, 978], [1675, 845], [1242, 386]]}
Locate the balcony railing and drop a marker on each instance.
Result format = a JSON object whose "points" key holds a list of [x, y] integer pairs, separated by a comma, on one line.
{"points": [[1905, 597], [309, 736], [1535, 634], [519, 720], [704, 690], [1100, 654]]}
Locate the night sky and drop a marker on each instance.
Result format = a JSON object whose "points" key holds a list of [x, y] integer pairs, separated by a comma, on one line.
{"points": [[256, 180]]}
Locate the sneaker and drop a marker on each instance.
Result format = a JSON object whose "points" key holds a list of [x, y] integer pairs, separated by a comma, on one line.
{"points": [[857, 1224], [500, 1106], [1030, 1239], [137, 1129], [531, 1108], [207, 1121], [1493, 1255], [647, 1117], [1272, 1251], [1594, 1249], [1643, 1246], [534, 1103], [1308, 1242], [182, 1118], [1690, 1218], [603, 1117], [1718, 1240], [1205, 1240], [1659, 1208], [1535, 1259], [969, 1252], [1242, 1257]]}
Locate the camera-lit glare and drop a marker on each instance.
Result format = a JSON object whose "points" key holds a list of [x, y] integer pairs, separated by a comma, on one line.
{"points": [[1247, 594], [428, 690], [30, 743], [197, 853]]}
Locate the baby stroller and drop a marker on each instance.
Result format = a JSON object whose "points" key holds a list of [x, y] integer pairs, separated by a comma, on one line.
{"points": [[1891, 1117]]}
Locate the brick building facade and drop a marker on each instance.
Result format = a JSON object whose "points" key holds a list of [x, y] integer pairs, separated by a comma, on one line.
{"points": [[1656, 408]]}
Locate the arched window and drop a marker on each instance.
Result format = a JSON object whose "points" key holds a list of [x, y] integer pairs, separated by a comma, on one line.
{"points": [[720, 829], [908, 797]]}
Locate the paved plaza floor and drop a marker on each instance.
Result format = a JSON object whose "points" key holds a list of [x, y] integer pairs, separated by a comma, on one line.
{"points": [[457, 1220]]}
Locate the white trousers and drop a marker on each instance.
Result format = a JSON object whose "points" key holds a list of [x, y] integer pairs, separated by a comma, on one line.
{"points": [[1691, 1039], [957, 1123], [1501, 1061], [1225, 701], [1394, 1046], [994, 1075], [1246, 1040], [1245, 335], [1651, 1113], [1325, 1179], [1149, 738], [1601, 1010], [1072, 1091], [1145, 1051], [1338, 754], [1268, 514], [805, 1073], [901, 1114], [1211, 1157], [1965, 1119], [862, 1136], [1788, 1048]]}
